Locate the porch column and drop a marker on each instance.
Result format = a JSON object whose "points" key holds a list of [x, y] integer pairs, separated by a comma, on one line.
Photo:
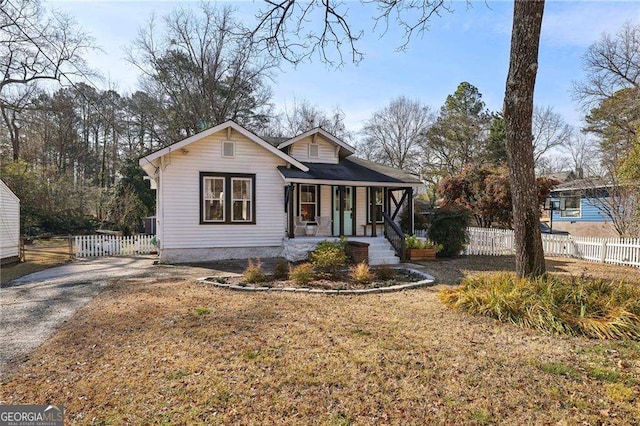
{"points": [[374, 211], [341, 209], [290, 211], [410, 207]]}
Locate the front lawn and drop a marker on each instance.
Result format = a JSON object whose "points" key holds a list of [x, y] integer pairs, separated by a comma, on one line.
{"points": [[160, 351]]}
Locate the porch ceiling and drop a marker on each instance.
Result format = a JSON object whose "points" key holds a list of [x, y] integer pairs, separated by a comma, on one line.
{"points": [[350, 172]]}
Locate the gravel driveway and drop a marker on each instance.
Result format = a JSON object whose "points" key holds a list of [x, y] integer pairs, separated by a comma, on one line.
{"points": [[32, 306]]}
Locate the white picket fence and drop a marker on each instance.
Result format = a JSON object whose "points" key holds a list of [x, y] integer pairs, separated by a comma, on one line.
{"points": [[111, 245], [497, 242]]}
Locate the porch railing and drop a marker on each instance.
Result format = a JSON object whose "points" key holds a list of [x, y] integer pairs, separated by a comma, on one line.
{"points": [[393, 233]]}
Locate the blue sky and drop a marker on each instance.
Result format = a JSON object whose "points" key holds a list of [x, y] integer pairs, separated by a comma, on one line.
{"points": [[471, 44]]}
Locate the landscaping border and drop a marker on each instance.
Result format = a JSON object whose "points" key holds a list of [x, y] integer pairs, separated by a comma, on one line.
{"points": [[427, 281]]}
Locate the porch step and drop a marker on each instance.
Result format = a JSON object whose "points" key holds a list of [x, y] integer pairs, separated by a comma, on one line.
{"points": [[380, 251]]}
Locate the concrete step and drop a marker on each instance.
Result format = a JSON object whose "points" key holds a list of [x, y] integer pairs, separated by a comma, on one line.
{"points": [[374, 261]]}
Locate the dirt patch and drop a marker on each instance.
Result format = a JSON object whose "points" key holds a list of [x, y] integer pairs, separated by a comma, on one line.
{"points": [[145, 351]]}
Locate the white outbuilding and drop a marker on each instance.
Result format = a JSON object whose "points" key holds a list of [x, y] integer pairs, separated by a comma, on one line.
{"points": [[9, 225]]}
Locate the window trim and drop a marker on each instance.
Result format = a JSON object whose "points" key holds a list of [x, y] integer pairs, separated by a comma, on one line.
{"points": [[233, 143], [228, 197], [579, 209], [250, 199], [381, 206], [317, 150], [316, 201], [203, 179]]}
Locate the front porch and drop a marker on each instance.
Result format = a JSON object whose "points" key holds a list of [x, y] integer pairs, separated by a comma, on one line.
{"points": [[324, 209]]}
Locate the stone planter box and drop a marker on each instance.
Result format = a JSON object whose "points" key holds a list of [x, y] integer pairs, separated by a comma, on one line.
{"points": [[358, 252], [421, 254]]}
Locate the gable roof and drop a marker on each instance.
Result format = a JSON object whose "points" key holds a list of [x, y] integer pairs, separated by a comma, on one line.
{"points": [[319, 130], [235, 126], [582, 184], [351, 171]]}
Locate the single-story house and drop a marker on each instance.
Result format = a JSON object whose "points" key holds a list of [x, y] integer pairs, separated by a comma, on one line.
{"points": [[228, 193], [9, 225], [579, 208]]}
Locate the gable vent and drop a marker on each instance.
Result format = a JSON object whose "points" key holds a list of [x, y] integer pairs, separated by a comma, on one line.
{"points": [[228, 149], [313, 150]]}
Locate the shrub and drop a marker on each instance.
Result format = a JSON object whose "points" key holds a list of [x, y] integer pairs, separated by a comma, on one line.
{"points": [[413, 242], [254, 273], [385, 273], [448, 227], [577, 306], [302, 274], [361, 273], [329, 257], [282, 270]]}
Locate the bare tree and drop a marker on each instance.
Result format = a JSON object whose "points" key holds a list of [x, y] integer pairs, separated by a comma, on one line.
{"points": [[35, 46], [584, 155], [303, 116], [611, 64], [394, 135], [204, 70], [518, 112], [549, 131], [296, 30]]}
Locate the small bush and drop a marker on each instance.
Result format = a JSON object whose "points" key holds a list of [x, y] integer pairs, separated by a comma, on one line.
{"points": [[361, 273], [385, 273], [282, 270], [448, 227], [202, 310], [302, 274], [413, 242], [254, 273], [579, 306], [329, 257]]}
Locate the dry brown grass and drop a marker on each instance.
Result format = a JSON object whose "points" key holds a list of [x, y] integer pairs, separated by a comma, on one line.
{"points": [[451, 271], [38, 256], [151, 351]]}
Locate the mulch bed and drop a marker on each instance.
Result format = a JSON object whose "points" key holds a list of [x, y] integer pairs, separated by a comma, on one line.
{"points": [[341, 281]]}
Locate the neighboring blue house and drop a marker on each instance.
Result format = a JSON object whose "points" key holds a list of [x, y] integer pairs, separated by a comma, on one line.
{"points": [[578, 208]]}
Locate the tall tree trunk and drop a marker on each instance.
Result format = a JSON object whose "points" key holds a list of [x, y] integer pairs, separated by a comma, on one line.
{"points": [[9, 118], [518, 113]]}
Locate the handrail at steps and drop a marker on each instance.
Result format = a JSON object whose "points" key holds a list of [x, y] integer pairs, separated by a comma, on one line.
{"points": [[394, 234]]}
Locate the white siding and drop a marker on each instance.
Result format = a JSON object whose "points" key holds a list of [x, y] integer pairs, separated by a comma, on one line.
{"points": [[361, 209], [326, 151], [9, 223], [179, 195], [325, 201]]}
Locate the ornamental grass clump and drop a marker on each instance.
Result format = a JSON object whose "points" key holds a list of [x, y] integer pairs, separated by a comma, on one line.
{"points": [[329, 257], [576, 306], [361, 273], [302, 274], [254, 273]]}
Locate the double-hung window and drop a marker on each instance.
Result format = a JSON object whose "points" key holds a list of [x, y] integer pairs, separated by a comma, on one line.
{"points": [[308, 202], [241, 199], [213, 199], [379, 193], [227, 198]]}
